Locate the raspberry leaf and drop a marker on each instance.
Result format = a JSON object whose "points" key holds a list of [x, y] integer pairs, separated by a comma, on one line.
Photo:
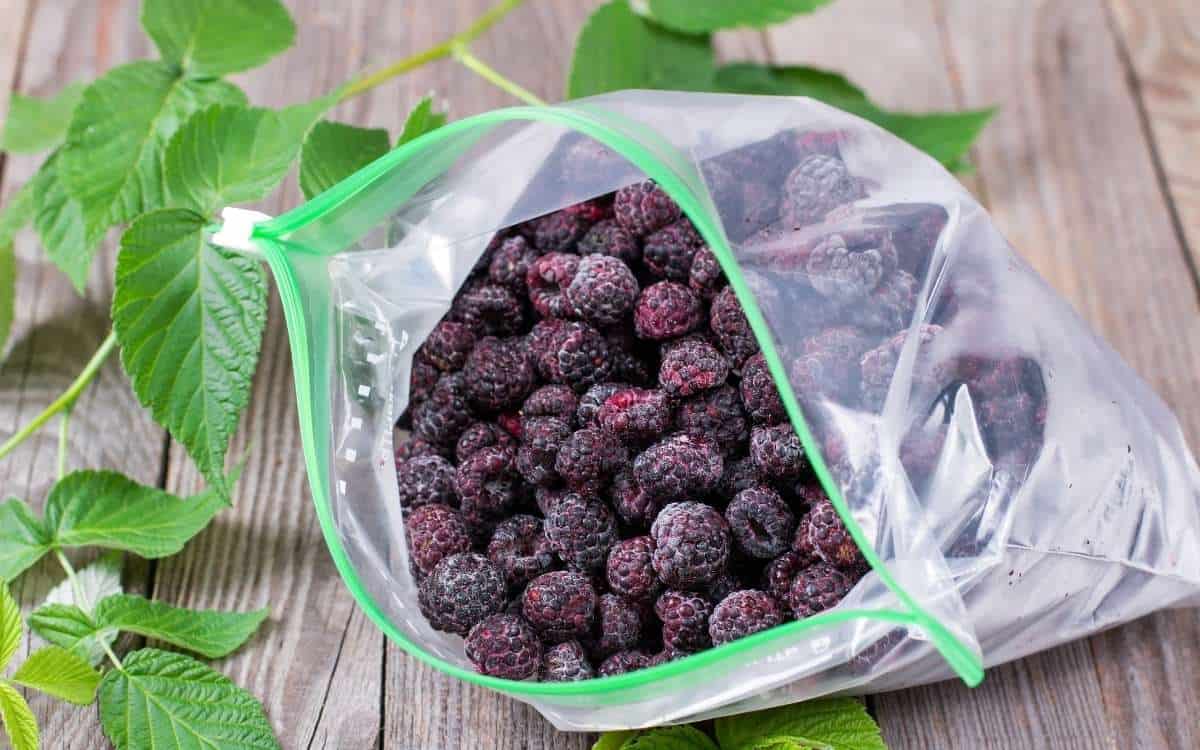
{"points": [[61, 673], [333, 151], [209, 633], [421, 120], [694, 16], [10, 626], [23, 538], [171, 701], [69, 240], [651, 57], [189, 318], [670, 738], [834, 722], [98, 580], [35, 124], [18, 719], [216, 37], [613, 740], [107, 509], [946, 136], [69, 627]]}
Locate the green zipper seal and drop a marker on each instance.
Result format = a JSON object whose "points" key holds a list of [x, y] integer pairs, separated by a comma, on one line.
{"points": [[271, 236]]}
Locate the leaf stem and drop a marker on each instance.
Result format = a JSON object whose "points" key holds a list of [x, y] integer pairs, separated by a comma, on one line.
{"points": [[71, 576], [68, 397], [63, 426], [436, 52], [489, 74]]}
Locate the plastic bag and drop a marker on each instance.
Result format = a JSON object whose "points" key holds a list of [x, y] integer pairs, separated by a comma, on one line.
{"points": [[1011, 482]]}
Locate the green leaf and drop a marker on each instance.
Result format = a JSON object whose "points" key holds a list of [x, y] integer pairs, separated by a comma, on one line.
{"points": [[618, 49], [111, 161], [189, 318], [670, 738], [210, 633], [107, 509], [333, 151], [58, 672], [18, 213], [613, 740], [170, 701], [842, 723], [226, 154], [695, 16], [98, 580], [71, 628], [23, 539], [421, 120], [215, 37], [18, 719], [946, 136], [789, 743], [8, 291], [10, 626], [35, 125], [69, 241]]}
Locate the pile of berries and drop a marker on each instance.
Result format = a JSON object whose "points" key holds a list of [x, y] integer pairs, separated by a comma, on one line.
{"points": [[601, 475]]}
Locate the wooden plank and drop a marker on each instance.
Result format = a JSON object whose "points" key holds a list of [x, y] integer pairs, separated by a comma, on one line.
{"points": [[56, 331]]}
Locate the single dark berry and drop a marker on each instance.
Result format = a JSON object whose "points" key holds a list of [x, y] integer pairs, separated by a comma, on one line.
{"points": [[724, 584], [461, 591], [630, 570], [590, 402], [684, 616], [554, 400], [490, 309], [643, 208], [448, 345], [479, 436], [705, 277], [421, 381], [435, 532], [829, 539], [498, 375], [588, 459], [890, 307], [443, 416], [607, 237], [558, 232], [541, 340], [578, 357], [603, 290], [716, 414], [878, 366], [779, 574], [777, 452], [581, 531], [817, 588], [504, 646], [623, 662], [847, 275], [486, 482], [817, 185], [761, 522], [521, 550], [426, 479], [759, 394], [732, 329], [740, 474], [828, 365], [666, 310], [414, 447], [633, 505], [618, 625], [679, 467], [743, 613], [548, 279], [668, 253], [566, 662], [635, 414], [691, 365], [691, 544], [540, 443], [510, 263], [561, 605]]}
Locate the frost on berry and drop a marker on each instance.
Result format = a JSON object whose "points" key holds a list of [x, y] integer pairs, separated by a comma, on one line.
{"points": [[717, 415], [504, 645], [498, 375], [732, 329], [581, 531], [817, 588], [425, 479], [759, 394], [743, 613], [486, 482], [669, 252], [618, 625], [827, 366], [461, 591], [448, 345], [630, 570], [643, 207], [816, 186], [846, 273], [610, 238], [692, 544], [554, 400], [666, 310], [566, 662], [705, 276], [691, 365], [540, 443], [679, 467], [577, 356], [442, 417], [479, 436], [602, 290], [491, 309], [761, 522], [635, 414], [511, 262], [434, 532], [588, 459], [520, 549], [558, 232], [823, 534], [623, 662], [684, 616], [591, 401], [777, 452], [547, 279], [561, 605]]}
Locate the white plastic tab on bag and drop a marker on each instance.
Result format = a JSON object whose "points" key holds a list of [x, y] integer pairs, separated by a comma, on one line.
{"points": [[237, 227]]}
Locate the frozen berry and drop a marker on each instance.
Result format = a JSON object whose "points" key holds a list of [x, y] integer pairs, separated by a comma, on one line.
{"points": [[510, 263], [635, 414], [520, 549], [479, 436], [566, 662], [486, 482], [435, 532], [588, 459], [743, 613], [732, 329], [668, 253], [761, 522], [547, 497], [490, 309], [716, 414], [684, 616], [578, 357], [592, 210], [816, 186], [561, 605], [828, 365], [540, 443], [591, 401], [846, 275], [629, 569], [448, 345], [610, 238], [666, 310], [504, 646], [724, 584], [890, 307], [759, 394], [558, 232], [679, 467], [829, 539], [498, 375], [603, 290], [443, 416], [691, 544], [779, 574], [878, 366], [633, 505], [643, 208], [623, 662], [817, 588], [691, 365], [552, 400], [618, 624], [777, 452], [414, 447], [461, 591], [548, 279], [705, 277], [422, 379], [540, 341], [426, 479], [581, 531], [740, 474]]}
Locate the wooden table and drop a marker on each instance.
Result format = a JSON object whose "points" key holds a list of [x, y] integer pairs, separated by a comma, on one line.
{"points": [[1089, 168]]}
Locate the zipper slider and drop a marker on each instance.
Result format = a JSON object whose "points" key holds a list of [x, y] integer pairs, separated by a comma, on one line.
{"points": [[237, 228]]}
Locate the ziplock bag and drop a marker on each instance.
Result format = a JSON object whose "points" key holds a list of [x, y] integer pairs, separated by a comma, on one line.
{"points": [[1011, 483]]}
